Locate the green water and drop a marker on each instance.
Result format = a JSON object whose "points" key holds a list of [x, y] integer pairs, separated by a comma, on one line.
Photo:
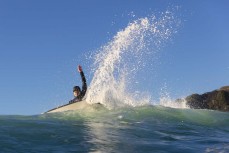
{"points": [[141, 129]]}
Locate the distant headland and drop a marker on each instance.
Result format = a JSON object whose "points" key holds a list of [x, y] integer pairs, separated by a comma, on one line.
{"points": [[215, 100]]}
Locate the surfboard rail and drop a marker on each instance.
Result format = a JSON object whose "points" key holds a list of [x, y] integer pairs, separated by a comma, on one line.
{"points": [[72, 106]]}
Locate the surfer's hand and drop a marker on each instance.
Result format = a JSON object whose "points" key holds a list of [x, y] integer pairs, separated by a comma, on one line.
{"points": [[80, 68]]}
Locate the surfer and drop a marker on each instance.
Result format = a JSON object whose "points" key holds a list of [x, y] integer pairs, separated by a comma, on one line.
{"points": [[77, 92]]}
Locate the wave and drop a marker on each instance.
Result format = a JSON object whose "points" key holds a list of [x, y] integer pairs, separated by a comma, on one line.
{"points": [[134, 114], [147, 113], [154, 127]]}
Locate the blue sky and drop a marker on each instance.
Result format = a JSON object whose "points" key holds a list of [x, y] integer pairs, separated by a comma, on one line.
{"points": [[42, 42]]}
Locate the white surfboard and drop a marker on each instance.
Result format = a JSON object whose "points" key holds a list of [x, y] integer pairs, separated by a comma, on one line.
{"points": [[73, 106]]}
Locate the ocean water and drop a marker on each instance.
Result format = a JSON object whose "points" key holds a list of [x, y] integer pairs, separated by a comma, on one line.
{"points": [[139, 129]]}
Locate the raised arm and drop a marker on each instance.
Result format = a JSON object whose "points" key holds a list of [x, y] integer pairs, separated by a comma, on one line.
{"points": [[84, 83]]}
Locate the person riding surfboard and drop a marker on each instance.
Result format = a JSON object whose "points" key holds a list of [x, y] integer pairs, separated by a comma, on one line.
{"points": [[77, 92]]}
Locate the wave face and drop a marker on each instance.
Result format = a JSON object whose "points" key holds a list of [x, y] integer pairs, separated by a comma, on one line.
{"points": [[118, 63], [132, 129]]}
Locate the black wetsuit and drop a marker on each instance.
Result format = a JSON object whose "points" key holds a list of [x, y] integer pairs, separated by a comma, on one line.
{"points": [[83, 91]]}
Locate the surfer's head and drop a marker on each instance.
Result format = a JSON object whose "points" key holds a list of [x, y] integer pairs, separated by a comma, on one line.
{"points": [[76, 90]]}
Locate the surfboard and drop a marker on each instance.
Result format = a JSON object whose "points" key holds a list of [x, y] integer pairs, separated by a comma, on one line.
{"points": [[73, 106]]}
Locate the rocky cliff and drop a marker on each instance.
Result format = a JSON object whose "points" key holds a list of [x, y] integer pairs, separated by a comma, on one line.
{"points": [[215, 100]]}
